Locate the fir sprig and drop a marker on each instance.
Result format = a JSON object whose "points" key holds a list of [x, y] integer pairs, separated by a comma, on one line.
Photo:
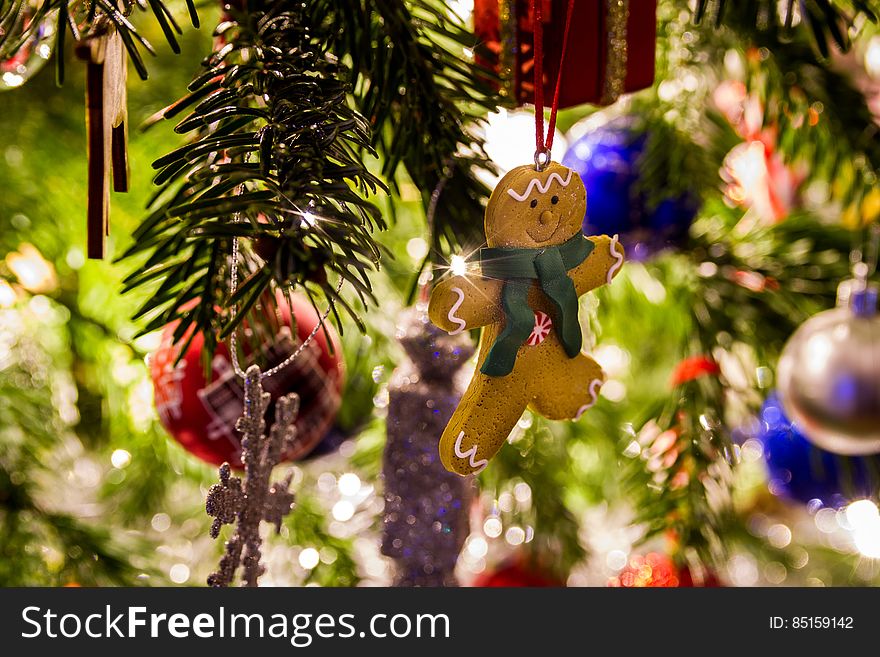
{"points": [[31, 431], [826, 21], [276, 159], [755, 289], [818, 110], [83, 19], [278, 156], [424, 99]]}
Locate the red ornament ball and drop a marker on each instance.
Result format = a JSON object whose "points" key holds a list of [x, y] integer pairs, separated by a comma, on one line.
{"points": [[656, 570], [201, 415], [516, 574]]}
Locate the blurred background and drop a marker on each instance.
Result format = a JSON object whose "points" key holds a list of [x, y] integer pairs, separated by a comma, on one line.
{"points": [[741, 184]]}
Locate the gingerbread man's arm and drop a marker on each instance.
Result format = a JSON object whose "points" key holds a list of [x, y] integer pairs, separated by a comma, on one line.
{"points": [[603, 264], [461, 303]]}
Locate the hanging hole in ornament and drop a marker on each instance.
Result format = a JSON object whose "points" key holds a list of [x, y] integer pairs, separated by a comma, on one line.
{"points": [[542, 158]]}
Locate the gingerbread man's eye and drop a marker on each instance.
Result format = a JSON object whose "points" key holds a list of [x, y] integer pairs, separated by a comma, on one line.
{"points": [[534, 203], [554, 200]]}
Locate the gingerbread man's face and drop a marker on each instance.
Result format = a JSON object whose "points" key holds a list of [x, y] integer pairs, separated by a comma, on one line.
{"points": [[533, 209]]}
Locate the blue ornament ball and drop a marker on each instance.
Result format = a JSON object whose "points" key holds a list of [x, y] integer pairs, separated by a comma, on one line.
{"points": [[801, 471], [607, 158]]}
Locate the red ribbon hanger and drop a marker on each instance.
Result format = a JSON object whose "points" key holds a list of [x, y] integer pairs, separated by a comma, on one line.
{"points": [[542, 145]]}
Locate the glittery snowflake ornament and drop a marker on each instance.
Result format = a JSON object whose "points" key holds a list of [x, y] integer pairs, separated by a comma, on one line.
{"points": [[246, 504]]}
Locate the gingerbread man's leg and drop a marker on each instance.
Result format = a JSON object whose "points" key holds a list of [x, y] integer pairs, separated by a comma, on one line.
{"points": [[570, 391], [488, 411]]}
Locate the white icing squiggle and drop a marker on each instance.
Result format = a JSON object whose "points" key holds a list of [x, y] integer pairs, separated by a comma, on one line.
{"points": [[542, 187], [469, 455], [615, 254], [451, 315], [595, 384]]}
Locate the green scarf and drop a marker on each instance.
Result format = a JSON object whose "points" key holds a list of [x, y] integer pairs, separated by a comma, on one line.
{"points": [[518, 268]]}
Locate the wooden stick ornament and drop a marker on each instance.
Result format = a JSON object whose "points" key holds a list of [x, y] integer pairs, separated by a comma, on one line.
{"points": [[105, 56]]}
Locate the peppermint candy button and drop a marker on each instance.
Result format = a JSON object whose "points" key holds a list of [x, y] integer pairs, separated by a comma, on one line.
{"points": [[543, 324]]}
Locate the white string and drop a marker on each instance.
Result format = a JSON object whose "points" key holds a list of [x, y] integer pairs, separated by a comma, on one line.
{"points": [[233, 339], [435, 198], [873, 249]]}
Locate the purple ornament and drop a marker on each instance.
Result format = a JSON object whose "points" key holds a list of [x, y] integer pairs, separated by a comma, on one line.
{"points": [[609, 161], [426, 507]]}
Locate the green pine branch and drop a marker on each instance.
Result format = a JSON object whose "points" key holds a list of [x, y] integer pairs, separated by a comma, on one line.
{"points": [[825, 22], [793, 270], [819, 111], [30, 428], [540, 458], [687, 496], [423, 99], [276, 160], [81, 20], [277, 145], [755, 289]]}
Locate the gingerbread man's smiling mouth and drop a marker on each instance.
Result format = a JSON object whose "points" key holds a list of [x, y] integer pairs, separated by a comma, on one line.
{"points": [[544, 228]]}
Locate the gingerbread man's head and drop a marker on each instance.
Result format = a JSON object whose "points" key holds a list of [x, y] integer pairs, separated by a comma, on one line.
{"points": [[534, 209]]}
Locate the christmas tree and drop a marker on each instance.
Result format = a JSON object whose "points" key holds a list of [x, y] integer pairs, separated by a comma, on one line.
{"points": [[301, 177]]}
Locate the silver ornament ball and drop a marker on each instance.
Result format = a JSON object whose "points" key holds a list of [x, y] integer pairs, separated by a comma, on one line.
{"points": [[829, 379]]}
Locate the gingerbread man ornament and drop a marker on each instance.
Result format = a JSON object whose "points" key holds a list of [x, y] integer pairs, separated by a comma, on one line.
{"points": [[536, 265]]}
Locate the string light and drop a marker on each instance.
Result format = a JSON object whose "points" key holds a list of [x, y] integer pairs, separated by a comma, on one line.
{"points": [[7, 294], [32, 270], [862, 512], [826, 520], [179, 573], [864, 518], [522, 492], [417, 248], [309, 558], [458, 265], [872, 57], [343, 510], [349, 484], [161, 522], [515, 535], [509, 134], [492, 527], [326, 482], [120, 458], [616, 560], [478, 547], [779, 536]]}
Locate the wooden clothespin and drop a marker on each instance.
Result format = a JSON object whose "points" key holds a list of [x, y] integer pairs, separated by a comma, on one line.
{"points": [[107, 124]]}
